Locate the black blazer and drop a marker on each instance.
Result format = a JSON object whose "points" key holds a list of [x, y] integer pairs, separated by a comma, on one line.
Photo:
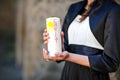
{"points": [[105, 25]]}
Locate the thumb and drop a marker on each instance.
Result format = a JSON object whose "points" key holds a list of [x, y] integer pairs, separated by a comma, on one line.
{"points": [[62, 35], [62, 40]]}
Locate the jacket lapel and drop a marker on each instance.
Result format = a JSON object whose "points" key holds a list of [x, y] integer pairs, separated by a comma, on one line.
{"points": [[97, 22], [75, 10]]}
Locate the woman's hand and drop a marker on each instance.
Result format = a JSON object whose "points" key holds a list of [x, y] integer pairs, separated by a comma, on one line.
{"points": [[46, 38], [57, 57]]}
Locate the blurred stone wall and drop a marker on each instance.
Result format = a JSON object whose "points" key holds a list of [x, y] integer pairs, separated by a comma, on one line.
{"points": [[7, 24]]}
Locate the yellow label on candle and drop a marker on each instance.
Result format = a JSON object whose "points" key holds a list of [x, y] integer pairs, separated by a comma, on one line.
{"points": [[50, 26]]}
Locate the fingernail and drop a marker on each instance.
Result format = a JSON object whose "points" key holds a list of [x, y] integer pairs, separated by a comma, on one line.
{"points": [[43, 50]]}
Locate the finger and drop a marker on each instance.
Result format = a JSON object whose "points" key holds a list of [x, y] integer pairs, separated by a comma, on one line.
{"points": [[52, 59], [62, 55], [62, 34], [46, 38], [46, 42], [62, 40], [45, 30], [45, 54], [59, 55], [45, 33]]}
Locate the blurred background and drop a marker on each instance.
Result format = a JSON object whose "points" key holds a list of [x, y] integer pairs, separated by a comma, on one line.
{"points": [[21, 26]]}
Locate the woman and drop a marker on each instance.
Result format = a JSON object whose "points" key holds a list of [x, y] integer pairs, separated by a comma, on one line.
{"points": [[91, 40]]}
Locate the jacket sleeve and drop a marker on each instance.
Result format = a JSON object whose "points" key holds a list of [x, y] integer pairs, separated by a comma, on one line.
{"points": [[109, 60]]}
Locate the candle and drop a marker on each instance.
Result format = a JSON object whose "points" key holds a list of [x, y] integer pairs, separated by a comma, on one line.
{"points": [[54, 29]]}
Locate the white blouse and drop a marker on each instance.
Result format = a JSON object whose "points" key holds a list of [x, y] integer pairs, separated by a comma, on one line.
{"points": [[80, 34]]}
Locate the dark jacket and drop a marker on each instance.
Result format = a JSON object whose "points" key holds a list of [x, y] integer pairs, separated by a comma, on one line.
{"points": [[105, 25]]}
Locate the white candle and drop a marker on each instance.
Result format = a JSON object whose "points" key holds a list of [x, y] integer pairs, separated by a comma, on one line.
{"points": [[54, 29]]}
